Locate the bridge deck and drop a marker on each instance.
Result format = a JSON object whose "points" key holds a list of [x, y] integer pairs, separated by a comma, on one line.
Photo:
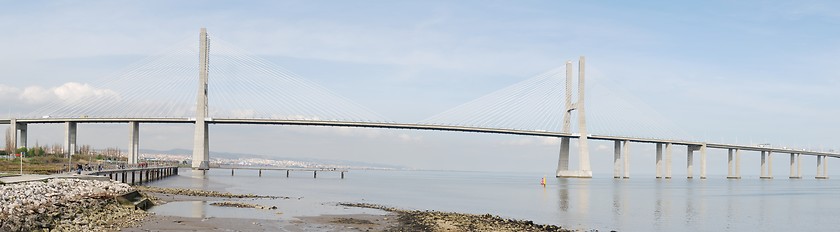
{"points": [[410, 126]]}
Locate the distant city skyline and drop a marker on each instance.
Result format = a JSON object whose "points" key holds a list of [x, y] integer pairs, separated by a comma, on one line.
{"points": [[749, 71]]}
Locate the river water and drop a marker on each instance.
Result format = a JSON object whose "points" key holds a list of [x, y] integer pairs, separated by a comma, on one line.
{"points": [[639, 204]]}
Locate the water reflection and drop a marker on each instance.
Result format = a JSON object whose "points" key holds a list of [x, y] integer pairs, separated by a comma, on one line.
{"points": [[658, 210], [199, 179], [731, 207], [563, 186], [642, 204], [690, 212], [583, 195], [618, 200]]}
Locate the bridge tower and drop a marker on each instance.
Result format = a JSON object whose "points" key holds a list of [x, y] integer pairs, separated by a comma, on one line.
{"points": [[201, 141], [584, 169]]}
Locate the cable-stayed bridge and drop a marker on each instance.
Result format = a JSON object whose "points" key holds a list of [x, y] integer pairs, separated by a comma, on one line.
{"points": [[181, 86]]}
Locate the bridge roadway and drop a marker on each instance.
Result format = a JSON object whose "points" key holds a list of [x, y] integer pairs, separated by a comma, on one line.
{"points": [[410, 126]]}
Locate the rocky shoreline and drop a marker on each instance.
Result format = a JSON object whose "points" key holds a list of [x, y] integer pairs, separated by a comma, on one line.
{"points": [[416, 220], [66, 205], [201, 193], [242, 205], [91, 205]]}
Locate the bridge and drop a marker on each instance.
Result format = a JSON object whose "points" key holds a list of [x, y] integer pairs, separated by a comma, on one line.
{"points": [[493, 113]]}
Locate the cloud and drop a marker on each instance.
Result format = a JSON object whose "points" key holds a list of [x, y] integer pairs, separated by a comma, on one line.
{"points": [[35, 96]]}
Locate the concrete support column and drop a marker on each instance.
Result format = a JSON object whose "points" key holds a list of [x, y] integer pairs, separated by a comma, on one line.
{"points": [[134, 142], [668, 150], [819, 167], [738, 163], [770, 164], [729, 163], [13, 129], [563, 161], [658, 160], [690, 162], [703, 161], [765, 163], [825, 167], [822, 170], [626, 159], [22, 128], [793, 166], [734, 164], [201, 141], [584, 167], [69, 138], [799, 165], [617, 159]]}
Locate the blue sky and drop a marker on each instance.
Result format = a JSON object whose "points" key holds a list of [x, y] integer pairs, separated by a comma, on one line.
{"points": [[719, 70]]}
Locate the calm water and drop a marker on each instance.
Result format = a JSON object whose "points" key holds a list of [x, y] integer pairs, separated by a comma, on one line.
{"points": [[640, 204]]}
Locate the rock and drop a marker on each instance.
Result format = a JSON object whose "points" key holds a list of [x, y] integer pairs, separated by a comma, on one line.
{"points": [[61, 204]]}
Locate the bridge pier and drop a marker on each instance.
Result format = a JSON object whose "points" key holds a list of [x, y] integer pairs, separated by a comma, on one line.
{"points": [[766, 165], [689, 162], [563, 162], [134, 142], [799, 165], [668, 149], [703, 161], [658, 161], [70, 138], [770, 164], [626, 159], [14, 128], [201, 141], [821, 167], [763, 165], [793, 167], [734, 162], [22, 128], [584, 167], [617, 159]]}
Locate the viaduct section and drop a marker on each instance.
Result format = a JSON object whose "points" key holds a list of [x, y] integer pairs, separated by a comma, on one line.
{"points": [[621, 155]]}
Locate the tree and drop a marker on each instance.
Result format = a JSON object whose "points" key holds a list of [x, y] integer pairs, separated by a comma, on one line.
{"points": [[22, 150], [85, 149]]}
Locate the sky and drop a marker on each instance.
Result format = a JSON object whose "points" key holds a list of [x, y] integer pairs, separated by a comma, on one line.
{"points": [[722, 71]]}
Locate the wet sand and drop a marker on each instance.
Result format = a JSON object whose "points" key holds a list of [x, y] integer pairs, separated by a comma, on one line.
{"points": [[355, 222], [388, 219]]}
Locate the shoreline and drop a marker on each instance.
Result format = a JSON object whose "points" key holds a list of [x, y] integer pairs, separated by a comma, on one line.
{"points": [[66, 205], [93, 205]]}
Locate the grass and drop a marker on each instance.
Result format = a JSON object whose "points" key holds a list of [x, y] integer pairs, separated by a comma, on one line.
{"points": [[46, 164]]}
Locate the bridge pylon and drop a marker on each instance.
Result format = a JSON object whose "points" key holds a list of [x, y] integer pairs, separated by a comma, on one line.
{"points": [[584, 169], [201, 141]]}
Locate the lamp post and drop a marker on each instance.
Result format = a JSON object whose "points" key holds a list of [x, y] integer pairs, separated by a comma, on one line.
{"points": [[22, 154], [69, 162]]}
